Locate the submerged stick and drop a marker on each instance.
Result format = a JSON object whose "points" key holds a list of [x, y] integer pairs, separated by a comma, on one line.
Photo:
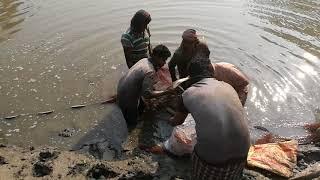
{"points": [[45, 112], [112, 99], [11, 117], [78, 106]]}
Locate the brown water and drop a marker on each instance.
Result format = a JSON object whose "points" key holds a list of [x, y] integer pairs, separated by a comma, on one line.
{"points": [[55, 54]]}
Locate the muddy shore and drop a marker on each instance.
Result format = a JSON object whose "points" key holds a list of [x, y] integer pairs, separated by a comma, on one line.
{"points": [[52, 163], [109, 151]]}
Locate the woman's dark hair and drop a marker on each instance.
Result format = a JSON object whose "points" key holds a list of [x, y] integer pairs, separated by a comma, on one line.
{"points": [[140, 18], [201, 68], [161, 51]]}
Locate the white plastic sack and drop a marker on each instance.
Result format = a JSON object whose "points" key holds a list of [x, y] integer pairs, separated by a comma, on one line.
{"points": [[183, 138]]}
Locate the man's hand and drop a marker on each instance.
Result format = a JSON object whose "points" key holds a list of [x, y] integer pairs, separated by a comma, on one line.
{"points": [[178, 118]]}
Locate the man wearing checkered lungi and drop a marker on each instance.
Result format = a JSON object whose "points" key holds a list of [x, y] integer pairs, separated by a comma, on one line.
{"points": [[222, 131]]}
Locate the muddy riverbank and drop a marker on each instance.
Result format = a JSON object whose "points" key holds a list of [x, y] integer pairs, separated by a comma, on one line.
{"points": [[113, 153], [52, 163]]}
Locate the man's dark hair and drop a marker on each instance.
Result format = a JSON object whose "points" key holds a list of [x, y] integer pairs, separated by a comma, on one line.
{"points": [[201, 68], [161, 51], [140, 17]]}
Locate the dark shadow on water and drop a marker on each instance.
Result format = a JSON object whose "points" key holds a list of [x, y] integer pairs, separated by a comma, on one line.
{"points": [[104, 141]]}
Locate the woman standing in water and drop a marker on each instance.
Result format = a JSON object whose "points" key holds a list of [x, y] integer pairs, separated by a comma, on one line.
{"points": [[134, 41]]}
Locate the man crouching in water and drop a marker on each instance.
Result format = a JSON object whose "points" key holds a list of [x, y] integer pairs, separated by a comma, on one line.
{"points": [[139, 82], [222, 132]]}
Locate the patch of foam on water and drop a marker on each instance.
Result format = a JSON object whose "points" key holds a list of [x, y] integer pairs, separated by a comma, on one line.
{"points": [[14, 130], [33, 126], [20, 68], [32, 80]]}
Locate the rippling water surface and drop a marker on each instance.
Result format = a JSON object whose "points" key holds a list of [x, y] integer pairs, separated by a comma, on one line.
{"points": [[55, 54]]}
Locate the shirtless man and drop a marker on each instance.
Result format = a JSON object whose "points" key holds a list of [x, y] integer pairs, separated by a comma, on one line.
{"points": [[139, 82], [225, 72], [222, 132], [182, 56]]}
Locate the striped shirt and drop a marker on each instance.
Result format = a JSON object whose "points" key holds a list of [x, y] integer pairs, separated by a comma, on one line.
{"points": [[138, 43]]}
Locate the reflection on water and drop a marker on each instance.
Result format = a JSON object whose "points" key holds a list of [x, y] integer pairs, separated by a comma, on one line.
{"points": [[297, 21], [11, 15], [70, 53]]}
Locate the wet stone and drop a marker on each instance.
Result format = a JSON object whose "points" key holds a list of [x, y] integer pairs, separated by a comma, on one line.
{"points": [[3, 160], [313, 171], [2, 145], [68, 132], [78, 169], [301, 164], [41, 169], [100, 171], [136, 175], [309, 153], [20, 173], [46, 155], [252, 175]]}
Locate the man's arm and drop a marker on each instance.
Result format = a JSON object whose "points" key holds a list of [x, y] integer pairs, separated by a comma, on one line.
{"points": [[239, 78], [180, 115], [232, 75], [172, 67], [128, 56], [242, 85], [148, 90], [127, 48]]}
